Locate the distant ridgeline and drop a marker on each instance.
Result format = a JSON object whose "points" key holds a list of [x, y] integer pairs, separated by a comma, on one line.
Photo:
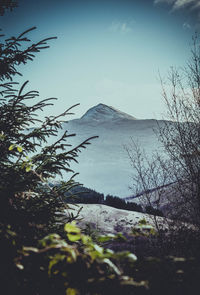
{"points": [[81, 194]]}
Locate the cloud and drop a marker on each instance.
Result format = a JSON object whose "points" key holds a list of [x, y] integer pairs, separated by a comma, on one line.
{"points": [[121, 27], [179, 4], [186, 26], [190, 6]]}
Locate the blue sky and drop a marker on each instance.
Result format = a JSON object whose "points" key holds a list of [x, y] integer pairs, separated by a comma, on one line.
{"points": [[107, 51]]}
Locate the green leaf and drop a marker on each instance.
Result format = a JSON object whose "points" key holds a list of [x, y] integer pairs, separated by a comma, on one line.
{"points": [[86, 239], [28, 168], [72, 228], [98, 249], [107, 238], [57, 258], [20, 266], [112, 266], [73, 255], [73, 237], [2, 136], [71, 291], [11, 147], [19, 148], [30, 249], [132, 257], [142, 222]]}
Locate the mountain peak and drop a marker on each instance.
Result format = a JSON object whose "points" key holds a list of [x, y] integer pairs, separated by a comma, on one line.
{"points": [[102, 112]]}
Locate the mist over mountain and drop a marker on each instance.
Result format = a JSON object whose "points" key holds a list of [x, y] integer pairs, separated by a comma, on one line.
{"points": [[104, 166]]}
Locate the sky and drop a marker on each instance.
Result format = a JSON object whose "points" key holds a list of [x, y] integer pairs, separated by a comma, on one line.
{"points": [[107, 52]]}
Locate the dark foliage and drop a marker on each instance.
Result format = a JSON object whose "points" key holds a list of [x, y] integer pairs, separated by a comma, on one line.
{"points": [[7, 5], [122, 204], [80, 194], [78, 268], [28, 203], [13, 54], [153, 211]]}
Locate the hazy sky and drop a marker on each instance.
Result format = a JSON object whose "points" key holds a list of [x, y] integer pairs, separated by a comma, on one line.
{"points": [[106, 51]]}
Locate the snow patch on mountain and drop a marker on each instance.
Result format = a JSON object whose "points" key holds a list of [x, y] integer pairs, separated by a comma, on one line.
{"points": [[102, 112], [109, 220]]}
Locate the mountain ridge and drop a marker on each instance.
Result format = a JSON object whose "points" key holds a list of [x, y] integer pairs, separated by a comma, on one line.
{"points": [[102, 112], [105, 166]]}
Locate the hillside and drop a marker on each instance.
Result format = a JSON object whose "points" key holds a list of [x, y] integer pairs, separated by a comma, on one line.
{"points": [[106, 219], [105, 166]]}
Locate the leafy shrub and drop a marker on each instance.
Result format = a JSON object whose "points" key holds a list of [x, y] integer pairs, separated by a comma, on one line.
{"points": [[71, 265], [77, 265]]}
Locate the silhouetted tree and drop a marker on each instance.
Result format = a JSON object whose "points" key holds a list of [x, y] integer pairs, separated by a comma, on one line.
{"points": [[179, 135], [27, 161]]}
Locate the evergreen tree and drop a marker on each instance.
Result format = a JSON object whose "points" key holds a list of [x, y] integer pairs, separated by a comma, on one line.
{"points": [[28, 203]]}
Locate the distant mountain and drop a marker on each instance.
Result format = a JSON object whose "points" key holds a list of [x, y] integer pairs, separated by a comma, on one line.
{"points": [[102, 112], [104, 166]]}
